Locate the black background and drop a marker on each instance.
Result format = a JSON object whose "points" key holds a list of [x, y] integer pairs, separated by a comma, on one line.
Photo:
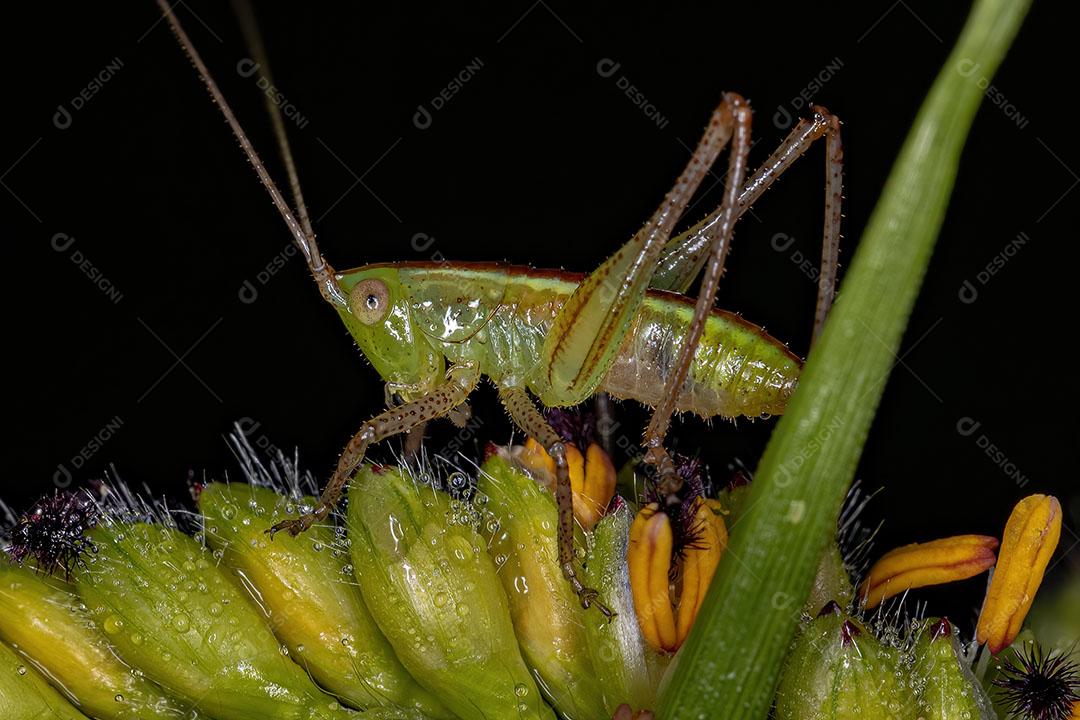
{"points": [[537, 159]]}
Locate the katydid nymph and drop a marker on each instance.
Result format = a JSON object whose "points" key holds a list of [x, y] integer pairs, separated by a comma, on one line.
{"points": [[432, 331]]}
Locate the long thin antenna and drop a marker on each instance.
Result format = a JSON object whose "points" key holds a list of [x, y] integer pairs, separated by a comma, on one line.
{"points": [[250, 29], [305, 241]]}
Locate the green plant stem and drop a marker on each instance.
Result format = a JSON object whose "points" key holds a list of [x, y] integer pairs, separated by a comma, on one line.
{"points": [[730, 664]]}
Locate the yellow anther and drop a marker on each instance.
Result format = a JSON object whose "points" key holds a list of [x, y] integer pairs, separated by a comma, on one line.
{"points": [[596, 486], [649, 559], [592, 477], [930, 563], [665, 612], [699, 563], [535, 458], [1031, 536]]}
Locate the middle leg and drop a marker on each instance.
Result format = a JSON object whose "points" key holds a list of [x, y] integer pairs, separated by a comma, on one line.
{"points": [[685, 255], [523, 412]]}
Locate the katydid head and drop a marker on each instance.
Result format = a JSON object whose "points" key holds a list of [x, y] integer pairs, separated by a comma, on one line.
{"points": [[378, 315]]}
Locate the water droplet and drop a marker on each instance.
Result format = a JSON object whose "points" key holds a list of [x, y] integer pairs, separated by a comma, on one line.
{"points": [[136, 639], [21, 669], [215, 609], [228, 512], [521, 690], [440, 599], [118, 697], [181, 622], [113, 624]]}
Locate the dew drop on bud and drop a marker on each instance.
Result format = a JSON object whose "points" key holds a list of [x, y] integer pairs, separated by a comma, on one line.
{"points": [[181, 623]]}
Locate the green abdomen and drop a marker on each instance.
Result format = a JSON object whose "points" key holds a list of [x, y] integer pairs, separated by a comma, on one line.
{"points": [[738, 369]]}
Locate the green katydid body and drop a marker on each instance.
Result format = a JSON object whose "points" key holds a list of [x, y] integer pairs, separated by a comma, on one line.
{"points": [[432, 330], [497, 318]]}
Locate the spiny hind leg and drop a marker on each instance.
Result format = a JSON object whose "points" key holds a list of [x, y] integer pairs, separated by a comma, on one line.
{"points": [[590, 327], [685, 255], [719, 241], [460, 381], [523, 412]]}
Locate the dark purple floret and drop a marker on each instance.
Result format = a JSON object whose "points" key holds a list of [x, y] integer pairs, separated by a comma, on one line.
{"points": [[1040, 686], [848, 632], [941, 629], [830, 608], [53, 532], [575, 425]]}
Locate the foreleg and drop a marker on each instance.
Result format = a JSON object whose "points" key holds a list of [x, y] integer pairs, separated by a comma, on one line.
{"points": [[460, 381]]}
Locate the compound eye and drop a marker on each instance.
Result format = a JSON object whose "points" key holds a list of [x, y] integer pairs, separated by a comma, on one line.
{"points": [[369, 301]]}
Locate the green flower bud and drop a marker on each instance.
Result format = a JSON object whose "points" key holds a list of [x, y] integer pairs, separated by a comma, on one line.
{"points": [[306, 587], [832, 582], [948, 688], [548, 617], [25, 695], [432, 587], [837, 670], [732, 499], [171, 612], [43, 619], [630, 669]]}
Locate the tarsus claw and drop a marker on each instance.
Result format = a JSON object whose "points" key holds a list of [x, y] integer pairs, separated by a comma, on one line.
{"points": [[294, 526], [589, 597]]}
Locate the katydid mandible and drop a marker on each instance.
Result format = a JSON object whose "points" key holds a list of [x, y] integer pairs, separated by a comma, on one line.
{"points": [[432, 331]]}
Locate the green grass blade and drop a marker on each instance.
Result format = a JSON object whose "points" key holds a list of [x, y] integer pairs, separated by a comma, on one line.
{"points": [[729, 666]]}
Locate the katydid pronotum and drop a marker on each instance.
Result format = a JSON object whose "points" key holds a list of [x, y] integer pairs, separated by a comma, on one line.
{"points": [[432, 330]]}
